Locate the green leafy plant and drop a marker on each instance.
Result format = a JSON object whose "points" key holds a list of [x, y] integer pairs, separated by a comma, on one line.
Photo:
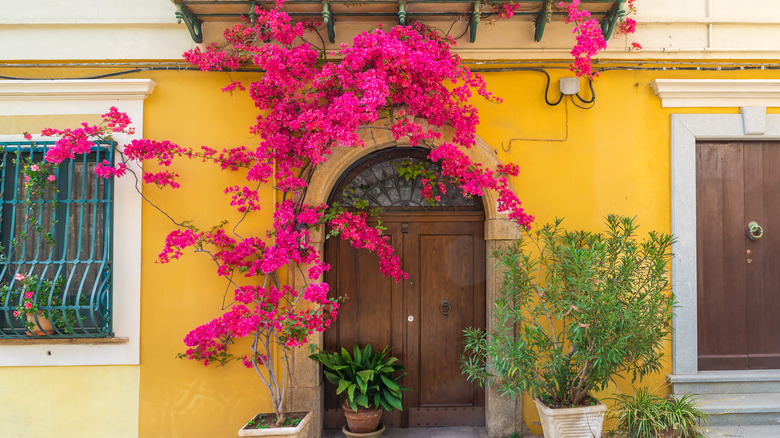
{"points": [[368, 379], [574, 311], [264, 421], [646, 415]]}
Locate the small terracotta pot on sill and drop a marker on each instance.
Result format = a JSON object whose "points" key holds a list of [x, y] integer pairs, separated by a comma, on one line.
{"points": [[41, 324]]}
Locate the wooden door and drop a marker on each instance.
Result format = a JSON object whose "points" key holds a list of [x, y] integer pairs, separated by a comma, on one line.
{"points": [[421, 318], [738, 278]]}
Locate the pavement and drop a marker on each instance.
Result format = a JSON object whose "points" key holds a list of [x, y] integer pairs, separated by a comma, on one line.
{"points": [[422, 432], [480, 432]]}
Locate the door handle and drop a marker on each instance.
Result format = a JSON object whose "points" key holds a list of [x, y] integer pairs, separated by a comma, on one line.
{"points": [[754, 230], [445, 307]]}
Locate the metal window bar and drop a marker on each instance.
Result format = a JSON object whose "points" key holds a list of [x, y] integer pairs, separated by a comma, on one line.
{"points": [[62, 239]]}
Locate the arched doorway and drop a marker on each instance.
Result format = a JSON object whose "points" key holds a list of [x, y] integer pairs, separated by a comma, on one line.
{"points": [[442, 248], [503, 415]]}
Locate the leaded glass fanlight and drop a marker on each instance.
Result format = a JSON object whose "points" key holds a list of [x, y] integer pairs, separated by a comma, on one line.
{"points": [[376, 179]]}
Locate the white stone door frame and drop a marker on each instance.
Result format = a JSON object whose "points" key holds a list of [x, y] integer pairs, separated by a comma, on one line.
{"points": [[751, 124]]}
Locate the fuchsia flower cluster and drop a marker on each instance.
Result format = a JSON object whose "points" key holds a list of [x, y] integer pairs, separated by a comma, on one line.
{"points": [[590, 37]]}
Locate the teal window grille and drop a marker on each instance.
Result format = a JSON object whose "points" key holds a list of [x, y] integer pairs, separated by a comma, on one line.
{"points": [[62, 239]]}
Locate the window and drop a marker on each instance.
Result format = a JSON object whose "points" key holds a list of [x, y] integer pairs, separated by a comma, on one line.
{"points": [[23, 102], [56, 245]]}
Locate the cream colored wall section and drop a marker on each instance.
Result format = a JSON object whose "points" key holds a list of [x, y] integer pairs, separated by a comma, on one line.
{"points": [[69, 402], [709, 28], [91, 30], [147, 29], [667, 29]]}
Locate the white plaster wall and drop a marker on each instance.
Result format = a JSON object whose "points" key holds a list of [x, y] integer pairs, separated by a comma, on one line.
{"points": [[91, 30], [85, 11], [147, 30]]}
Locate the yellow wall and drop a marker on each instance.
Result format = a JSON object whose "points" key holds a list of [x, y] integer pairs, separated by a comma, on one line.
{"points": [[616, 159], [69, 401], [180, 397]]}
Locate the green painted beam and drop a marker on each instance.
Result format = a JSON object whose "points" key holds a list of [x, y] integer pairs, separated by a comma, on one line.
{"points": [[476, 15], [327, 18], [612, 17], [542, 18], [194, 25]]}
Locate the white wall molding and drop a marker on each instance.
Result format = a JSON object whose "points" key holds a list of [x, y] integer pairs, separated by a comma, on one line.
{"points": [[77, 89], [678, 93], [91, 97]]}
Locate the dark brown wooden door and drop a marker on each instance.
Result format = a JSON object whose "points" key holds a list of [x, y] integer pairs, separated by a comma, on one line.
{"points": [[738, 278], [421, 318]]}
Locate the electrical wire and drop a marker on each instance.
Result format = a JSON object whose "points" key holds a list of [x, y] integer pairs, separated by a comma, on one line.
{"points": [[583, 107], [592, 94]]}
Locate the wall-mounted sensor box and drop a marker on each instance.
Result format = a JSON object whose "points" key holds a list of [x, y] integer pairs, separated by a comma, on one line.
{"points": [[570, 86]]}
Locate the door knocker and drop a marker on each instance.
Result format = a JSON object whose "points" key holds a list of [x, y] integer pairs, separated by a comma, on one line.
{"points": [[445, 308], [754, 230]]}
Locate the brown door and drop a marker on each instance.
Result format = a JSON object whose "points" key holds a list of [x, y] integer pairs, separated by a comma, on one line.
{"points": [[738, 277], [421, 318]]}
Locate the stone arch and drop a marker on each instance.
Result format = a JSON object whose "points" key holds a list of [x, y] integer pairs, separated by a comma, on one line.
{"points": [[503, 415]]}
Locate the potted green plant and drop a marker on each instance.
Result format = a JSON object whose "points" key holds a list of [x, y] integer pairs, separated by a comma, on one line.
{"points": [[646, 415], [575, 310], [370, 382], [39, 303]]}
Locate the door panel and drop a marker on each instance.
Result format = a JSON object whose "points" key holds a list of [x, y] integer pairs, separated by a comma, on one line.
{"points": [[763, 276], [738, 280], [368, 312], [440, 339], [444, 256]]}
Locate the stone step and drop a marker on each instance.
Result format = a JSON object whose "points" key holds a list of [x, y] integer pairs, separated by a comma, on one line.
{"points": [[726, 382], [743, 431], [748, 409]]}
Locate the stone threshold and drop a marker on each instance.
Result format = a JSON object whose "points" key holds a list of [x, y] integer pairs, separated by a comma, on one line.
{"points": [[726, 376]]}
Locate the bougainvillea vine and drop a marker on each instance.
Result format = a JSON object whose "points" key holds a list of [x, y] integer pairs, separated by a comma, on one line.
{"points": [[307, 106]]}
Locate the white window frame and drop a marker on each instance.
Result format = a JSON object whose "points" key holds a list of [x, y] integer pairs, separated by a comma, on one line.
{"points": [[90, 97]]}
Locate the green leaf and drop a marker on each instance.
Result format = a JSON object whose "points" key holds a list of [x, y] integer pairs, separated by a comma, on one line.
{"points": [[390, 384], [392, 400], [332, 378], [343, 384], [361, 400], [358, 354], [367, 375]]}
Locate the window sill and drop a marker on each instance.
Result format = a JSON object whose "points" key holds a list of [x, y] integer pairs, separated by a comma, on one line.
{"points": [[63, 341]]}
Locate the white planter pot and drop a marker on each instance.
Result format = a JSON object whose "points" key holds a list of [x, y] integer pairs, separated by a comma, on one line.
{"points": [[585, 422], [299, 431]]}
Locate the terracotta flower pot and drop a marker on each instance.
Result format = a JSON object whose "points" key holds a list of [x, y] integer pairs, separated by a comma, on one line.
{"points": [[584, 422], [41, 325], [362, 421]]}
